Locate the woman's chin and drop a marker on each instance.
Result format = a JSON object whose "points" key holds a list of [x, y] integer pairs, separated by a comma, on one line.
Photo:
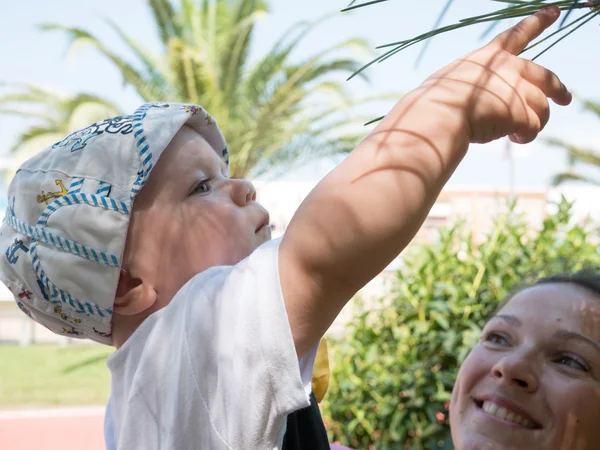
{"points": [[478, 430]]}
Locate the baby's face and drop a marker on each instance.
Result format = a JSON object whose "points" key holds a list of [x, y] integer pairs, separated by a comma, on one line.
{"points": [[189, 216]]}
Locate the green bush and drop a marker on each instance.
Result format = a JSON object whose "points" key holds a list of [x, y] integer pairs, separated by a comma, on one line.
{"points": [[392, 374]]}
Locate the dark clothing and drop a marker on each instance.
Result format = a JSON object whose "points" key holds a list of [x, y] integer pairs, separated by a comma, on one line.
{"points": [[305, 429]]}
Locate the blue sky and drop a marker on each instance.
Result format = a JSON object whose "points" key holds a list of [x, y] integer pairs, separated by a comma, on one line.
{"points": [[33, 56]]}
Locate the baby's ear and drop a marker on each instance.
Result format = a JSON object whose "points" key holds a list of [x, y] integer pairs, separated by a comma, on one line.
{"points": [[133, 295]]}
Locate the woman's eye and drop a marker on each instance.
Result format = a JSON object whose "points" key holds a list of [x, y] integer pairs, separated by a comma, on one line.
{"points": [[202, 188], [495, 338], [573, 363]]}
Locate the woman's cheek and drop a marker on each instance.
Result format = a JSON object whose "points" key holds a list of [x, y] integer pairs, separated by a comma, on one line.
{"points": [[578, 409], [477, 364]]}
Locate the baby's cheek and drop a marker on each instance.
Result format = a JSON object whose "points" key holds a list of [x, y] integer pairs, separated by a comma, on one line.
{"points": [[228, 222]]}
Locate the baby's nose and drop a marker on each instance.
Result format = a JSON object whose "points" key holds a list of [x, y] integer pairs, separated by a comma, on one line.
{"points": [[243, 192]]}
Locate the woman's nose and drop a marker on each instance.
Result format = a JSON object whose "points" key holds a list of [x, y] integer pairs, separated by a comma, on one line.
{"points": [[516, 370]]}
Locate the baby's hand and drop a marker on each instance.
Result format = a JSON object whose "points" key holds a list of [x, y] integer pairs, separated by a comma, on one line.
{"points": [[498, 93]]}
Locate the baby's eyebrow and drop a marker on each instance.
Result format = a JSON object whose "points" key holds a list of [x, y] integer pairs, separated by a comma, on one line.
{"points": [[509, 318]]}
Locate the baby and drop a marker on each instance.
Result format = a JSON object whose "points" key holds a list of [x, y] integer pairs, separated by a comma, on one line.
{"points": [[130, 232]]}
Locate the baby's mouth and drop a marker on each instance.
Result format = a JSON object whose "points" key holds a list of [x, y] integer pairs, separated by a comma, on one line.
{"points": [[261, 227], [264, 223], [507, 414]]}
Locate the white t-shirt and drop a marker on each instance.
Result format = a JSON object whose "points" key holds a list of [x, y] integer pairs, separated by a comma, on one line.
{"points": [[215, 369]]}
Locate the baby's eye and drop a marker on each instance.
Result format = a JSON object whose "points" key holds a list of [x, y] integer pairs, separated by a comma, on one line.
{"points": [[495, 338], [202, 188], [572, 362]]}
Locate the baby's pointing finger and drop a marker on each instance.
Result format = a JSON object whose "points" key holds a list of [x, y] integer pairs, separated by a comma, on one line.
{"points": [[517, 38]]}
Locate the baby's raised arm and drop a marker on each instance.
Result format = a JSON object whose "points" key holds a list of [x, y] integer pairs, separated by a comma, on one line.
{"points": [[363, 214]]}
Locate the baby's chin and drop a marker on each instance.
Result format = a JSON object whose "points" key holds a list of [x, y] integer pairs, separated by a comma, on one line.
{"points": [[239, 253], [263, 235]]}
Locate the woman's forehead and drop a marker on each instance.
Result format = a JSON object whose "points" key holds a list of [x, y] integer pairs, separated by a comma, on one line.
{"points": [[565, 303]]}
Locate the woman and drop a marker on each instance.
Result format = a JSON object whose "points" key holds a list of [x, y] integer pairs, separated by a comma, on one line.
{"points": [[533, 381]]}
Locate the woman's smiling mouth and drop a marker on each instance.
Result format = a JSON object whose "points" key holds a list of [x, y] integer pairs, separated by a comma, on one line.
{"points": [[507, 414]]}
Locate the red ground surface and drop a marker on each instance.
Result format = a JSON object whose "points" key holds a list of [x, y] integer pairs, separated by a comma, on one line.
{"points": [[76, 429], [58, 429]]}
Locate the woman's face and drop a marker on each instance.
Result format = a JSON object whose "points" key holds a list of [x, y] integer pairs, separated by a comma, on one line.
{"points": [[533, 381]]}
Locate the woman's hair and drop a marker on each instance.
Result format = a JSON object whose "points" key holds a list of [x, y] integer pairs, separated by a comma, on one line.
{"points": [[587, 278]]}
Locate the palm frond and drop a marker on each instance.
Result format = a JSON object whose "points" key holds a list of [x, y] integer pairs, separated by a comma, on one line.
{"points": [[151, 64], [84, 98], [592, 106], [302, 149], [565, 177], [55, 115], [30, 134], [576, 153], [352, 5], [51, 108], [311, 70], [517, 9], [165, 19], [285, 91], [28, 114], [204, 59], [274, 61], [129, 73], [234, 60], [191, 80], [438, 22], [566, 16], [84, 109], [28, 93], [346, 104]]}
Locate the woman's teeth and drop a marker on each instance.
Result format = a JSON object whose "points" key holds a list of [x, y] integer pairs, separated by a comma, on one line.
{"points": [[502, 413]]}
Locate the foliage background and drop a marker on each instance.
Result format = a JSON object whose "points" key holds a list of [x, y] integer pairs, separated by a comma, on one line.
{"points": [[393, 372]]}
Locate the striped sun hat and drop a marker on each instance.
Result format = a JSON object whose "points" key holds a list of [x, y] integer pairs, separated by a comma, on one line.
{"points": [[64, 232]]}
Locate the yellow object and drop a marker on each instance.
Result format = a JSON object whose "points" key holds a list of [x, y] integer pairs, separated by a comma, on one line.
{"points": [[320, 380], [50, 195]]}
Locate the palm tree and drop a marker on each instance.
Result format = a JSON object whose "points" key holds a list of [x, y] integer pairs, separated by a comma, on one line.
{"points": [[55, 115], [262, 108], [578, 155]]}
